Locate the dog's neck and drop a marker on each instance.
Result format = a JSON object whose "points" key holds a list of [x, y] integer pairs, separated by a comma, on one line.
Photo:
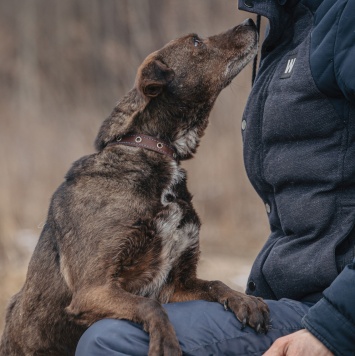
{"points": [[146, 142], [181, 126], [134, 114]]}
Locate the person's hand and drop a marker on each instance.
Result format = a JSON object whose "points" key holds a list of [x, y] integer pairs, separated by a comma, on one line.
{"points": [[300, 343]]}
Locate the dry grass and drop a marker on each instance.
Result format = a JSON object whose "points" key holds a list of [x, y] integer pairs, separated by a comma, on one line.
{"points": [[61, 74]]}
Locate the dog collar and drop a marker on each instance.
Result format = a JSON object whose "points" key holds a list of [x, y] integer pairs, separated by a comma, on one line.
{"points": [[145, 141]]}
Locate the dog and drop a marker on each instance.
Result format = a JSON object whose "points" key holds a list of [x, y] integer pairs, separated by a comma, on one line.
{"points": [[121, 236]]}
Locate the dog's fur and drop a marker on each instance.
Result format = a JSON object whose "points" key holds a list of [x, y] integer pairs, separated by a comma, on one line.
{"points": [[121, 235]]}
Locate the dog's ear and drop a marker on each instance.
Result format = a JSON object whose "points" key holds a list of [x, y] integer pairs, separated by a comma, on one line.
{"points": [[153, 78]]}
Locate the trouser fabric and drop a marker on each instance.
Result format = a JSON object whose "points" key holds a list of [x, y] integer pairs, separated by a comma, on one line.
{"points": [[202, 328]]}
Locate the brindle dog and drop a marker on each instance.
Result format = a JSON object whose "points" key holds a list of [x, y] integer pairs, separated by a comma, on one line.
{"points": [[122, 236]]}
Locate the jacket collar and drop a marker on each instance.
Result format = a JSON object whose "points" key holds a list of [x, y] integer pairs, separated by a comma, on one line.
{"points": [[271, 8], [278, 13], [274, 10]]}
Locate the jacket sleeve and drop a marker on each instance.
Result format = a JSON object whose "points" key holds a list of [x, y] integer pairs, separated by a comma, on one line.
{"points": [[344, 51], [332, 319], [333, 48]]}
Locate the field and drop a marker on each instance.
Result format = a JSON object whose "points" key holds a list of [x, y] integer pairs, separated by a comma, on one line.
{"points": [[64, 64]]}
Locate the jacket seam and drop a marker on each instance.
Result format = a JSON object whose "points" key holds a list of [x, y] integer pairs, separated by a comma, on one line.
{"points": [[336, 72], [334, 312], [338, 314], [313, 331]]}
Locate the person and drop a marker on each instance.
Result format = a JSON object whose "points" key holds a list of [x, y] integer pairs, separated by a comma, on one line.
{"points": [[299, 150]]}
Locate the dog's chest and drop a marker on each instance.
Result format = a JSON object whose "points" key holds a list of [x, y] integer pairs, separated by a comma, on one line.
{"points": [[177, 226]]}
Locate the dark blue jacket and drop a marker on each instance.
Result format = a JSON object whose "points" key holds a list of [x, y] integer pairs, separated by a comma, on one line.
{"points": [[299, 153]]}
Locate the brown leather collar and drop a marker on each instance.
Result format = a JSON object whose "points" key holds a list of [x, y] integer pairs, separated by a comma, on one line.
{"points": [[145, 141]]}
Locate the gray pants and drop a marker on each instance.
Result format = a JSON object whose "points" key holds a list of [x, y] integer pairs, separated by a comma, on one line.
{"points": [[203, 328]]}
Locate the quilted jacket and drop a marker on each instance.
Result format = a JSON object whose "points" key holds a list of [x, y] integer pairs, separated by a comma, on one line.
{"points": [[299, 151]]}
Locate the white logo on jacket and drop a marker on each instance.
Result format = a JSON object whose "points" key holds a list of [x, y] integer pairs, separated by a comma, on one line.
{"points": [[289, 66]]}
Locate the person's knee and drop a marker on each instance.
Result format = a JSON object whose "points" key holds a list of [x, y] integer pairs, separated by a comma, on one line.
{"points": [[113, 337], [94, 340]]}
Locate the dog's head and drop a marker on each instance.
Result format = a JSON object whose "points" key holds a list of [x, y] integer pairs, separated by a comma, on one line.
{"points": [[194, 70], [177, 85]]}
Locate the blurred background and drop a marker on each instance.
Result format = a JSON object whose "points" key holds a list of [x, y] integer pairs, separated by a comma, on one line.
{"points": [[63, 66]]}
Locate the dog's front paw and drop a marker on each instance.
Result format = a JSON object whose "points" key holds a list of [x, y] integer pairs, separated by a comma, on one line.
{"points": [[164, 342], [249, 310]]}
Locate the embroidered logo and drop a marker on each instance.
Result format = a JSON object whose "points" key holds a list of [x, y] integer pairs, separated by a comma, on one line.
{"points": [[289, 66]]}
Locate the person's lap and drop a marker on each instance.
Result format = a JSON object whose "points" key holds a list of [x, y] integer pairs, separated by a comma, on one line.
{"points": [[203, 328]]}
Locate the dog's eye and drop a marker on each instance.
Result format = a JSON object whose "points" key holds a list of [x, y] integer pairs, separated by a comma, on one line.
{"points": [[197, 41]]}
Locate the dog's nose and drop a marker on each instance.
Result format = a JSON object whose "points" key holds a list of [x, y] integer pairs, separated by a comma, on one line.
{"points": [[248, 22]]}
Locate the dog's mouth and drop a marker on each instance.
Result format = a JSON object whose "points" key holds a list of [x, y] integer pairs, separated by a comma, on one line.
{"points": [[237, 63]]}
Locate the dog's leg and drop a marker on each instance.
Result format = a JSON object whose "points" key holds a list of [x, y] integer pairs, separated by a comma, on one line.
{"points": [[248, 309], [92, 304]]}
